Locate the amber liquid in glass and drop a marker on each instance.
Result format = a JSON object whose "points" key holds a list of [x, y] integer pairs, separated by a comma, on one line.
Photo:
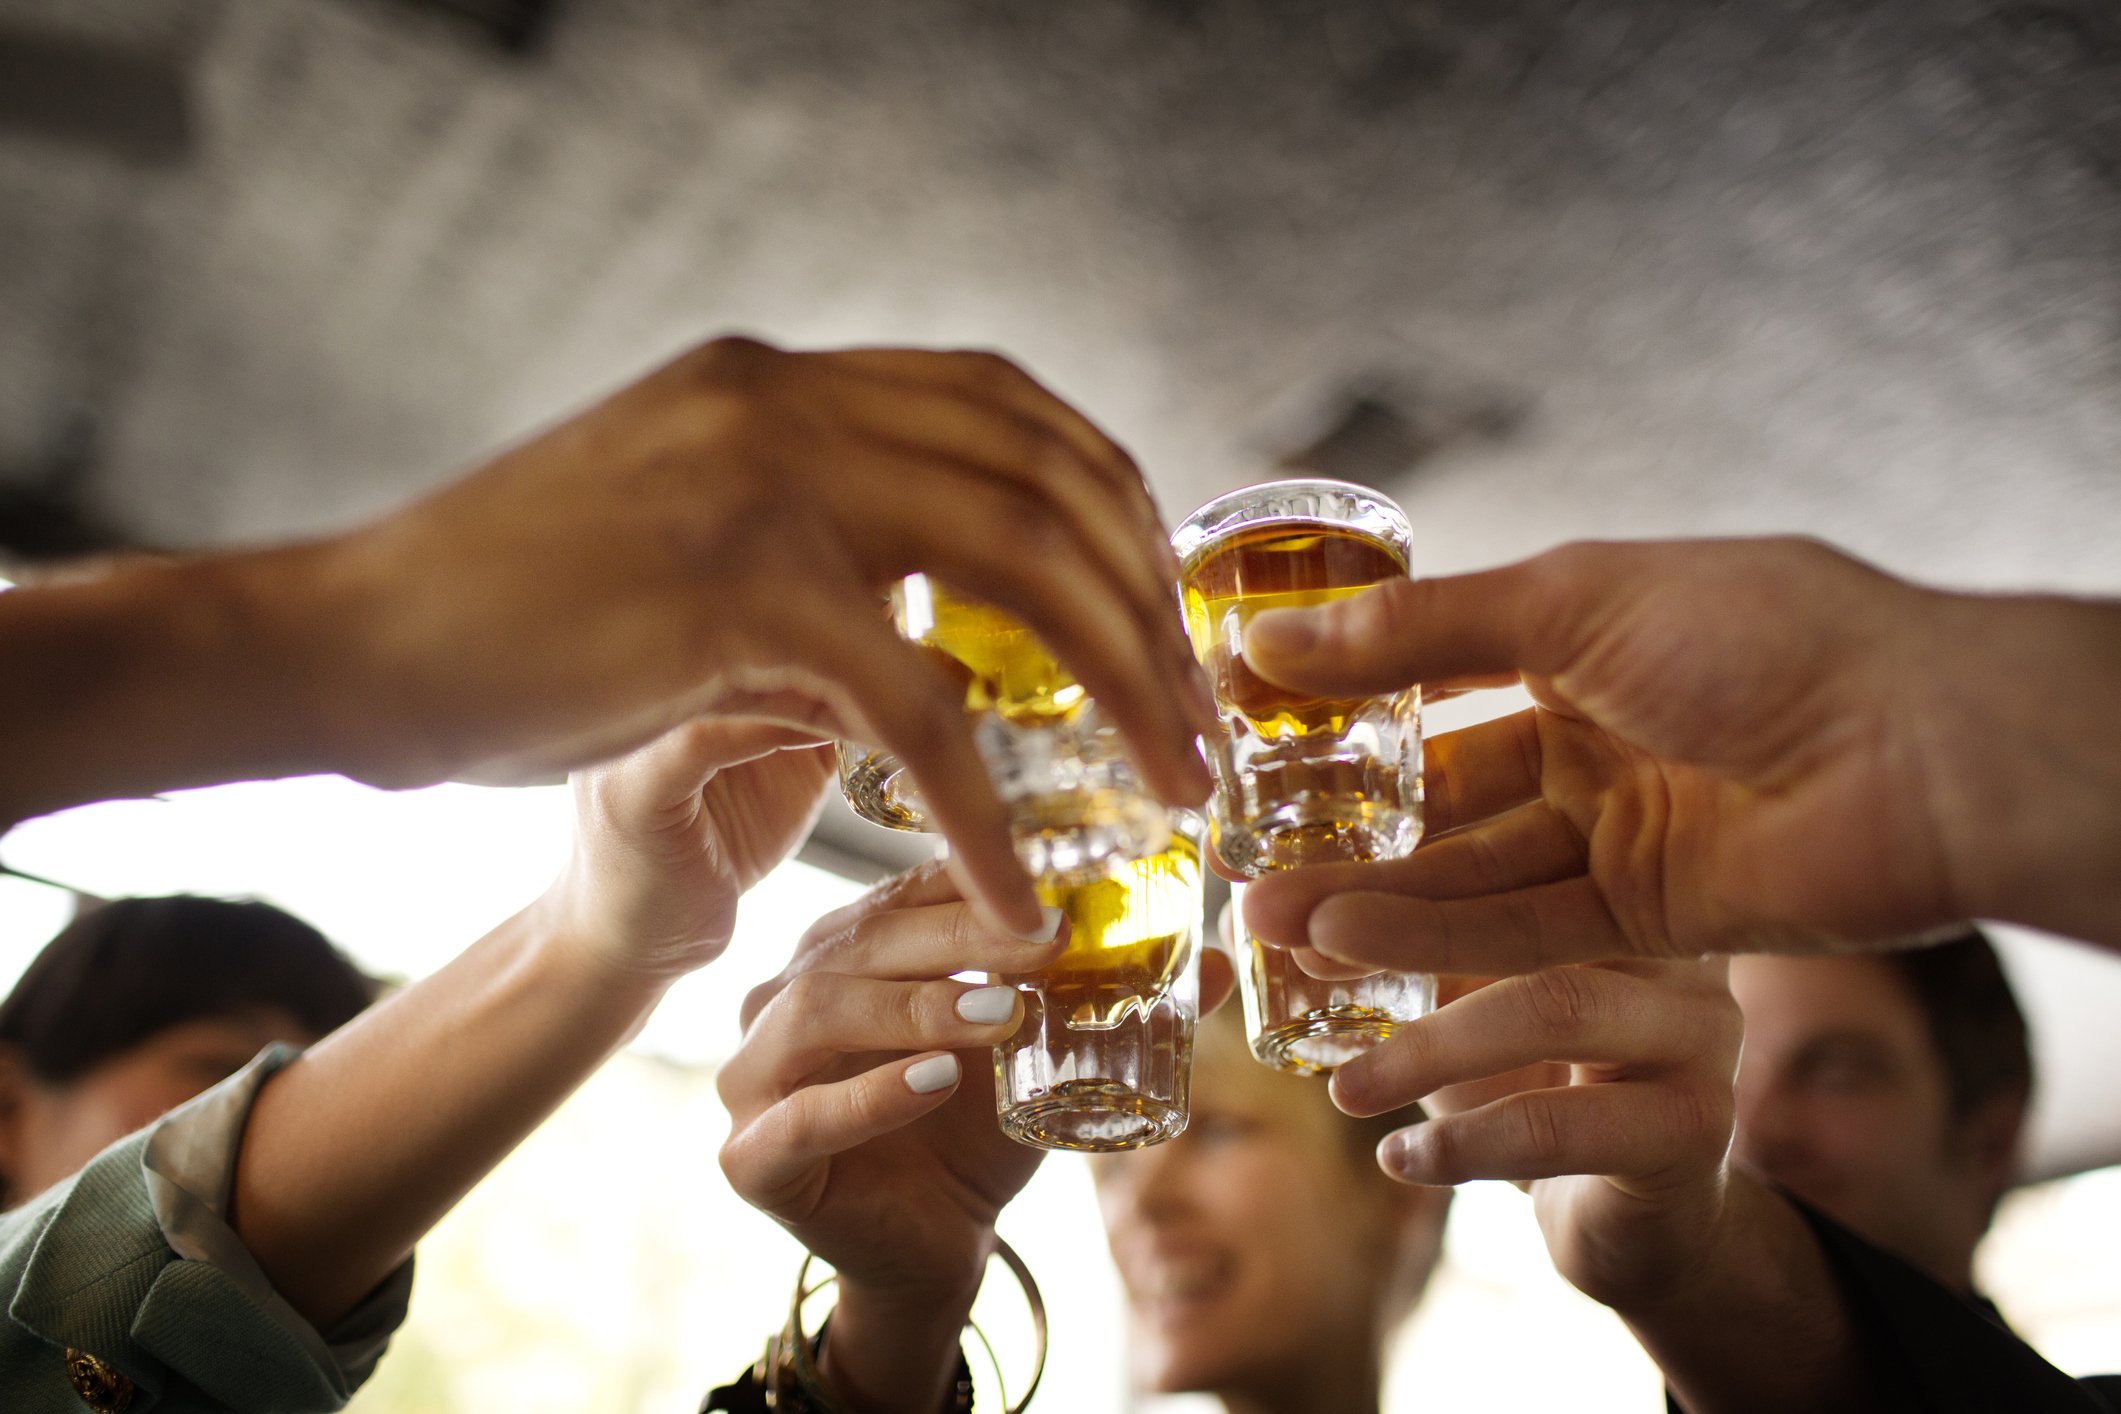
{"points": [[1276, 565], [1126, 936], [1001, 663]]}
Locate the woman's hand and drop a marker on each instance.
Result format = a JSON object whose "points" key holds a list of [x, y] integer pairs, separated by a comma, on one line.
{"points": [[668, 838], [863, 1121]]}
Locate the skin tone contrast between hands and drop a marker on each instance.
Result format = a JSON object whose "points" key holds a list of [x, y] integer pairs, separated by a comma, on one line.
{"points": [[712, 540]]}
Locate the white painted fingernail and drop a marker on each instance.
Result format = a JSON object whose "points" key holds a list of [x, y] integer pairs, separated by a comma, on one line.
{"points": [[933, 1074], [1049, 924], [987, 1006]]}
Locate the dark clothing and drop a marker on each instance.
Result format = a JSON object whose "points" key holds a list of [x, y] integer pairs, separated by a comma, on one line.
{"points": [[1938, 1352]]}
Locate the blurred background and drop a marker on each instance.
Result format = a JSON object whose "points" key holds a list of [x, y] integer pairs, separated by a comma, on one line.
{"points": [[1539, 269]]}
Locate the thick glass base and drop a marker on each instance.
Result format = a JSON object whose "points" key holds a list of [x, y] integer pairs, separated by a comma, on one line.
{"points": [[878, 788], [1320, 1042], [1093, 1117], [1309, 1025]]}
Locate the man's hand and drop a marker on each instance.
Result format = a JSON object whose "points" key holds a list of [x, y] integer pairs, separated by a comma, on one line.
{"points": [[1738, 746], [1605, 1091], [713, 540]]}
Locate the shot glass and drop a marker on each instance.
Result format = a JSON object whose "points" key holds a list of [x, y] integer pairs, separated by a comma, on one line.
{"points": [[1076, 806], [1302, 779], [1309, 1025], [1104, 1058], [878, 789]]}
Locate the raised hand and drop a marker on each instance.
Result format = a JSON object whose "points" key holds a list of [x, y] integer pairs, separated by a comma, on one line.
{"points": [[862, 1109], [1738, 746], [712, 540], [1606, 1092]]}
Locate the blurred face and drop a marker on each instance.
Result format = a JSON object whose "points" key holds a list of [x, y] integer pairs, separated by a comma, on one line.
{"points": [[1843, 1100], [1258, 1246], [52, 1130]]}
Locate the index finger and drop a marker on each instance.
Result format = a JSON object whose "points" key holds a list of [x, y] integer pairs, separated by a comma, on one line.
{"points": [[1529, 617]]}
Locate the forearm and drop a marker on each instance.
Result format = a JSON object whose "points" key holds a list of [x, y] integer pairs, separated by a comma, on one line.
{"points": [[165, 674], [2023, 756], [357, 1149], [893, 1352], [1760, 1326]]}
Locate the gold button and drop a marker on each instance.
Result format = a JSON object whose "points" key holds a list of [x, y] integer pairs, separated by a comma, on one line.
{"points": [[101, 1388]]}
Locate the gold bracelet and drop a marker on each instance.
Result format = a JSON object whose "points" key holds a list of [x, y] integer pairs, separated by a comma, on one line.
{"points": [[790, 1354]]}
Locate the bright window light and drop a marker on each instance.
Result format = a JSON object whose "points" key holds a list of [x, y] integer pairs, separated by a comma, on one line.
{"points": [[403, 881]]}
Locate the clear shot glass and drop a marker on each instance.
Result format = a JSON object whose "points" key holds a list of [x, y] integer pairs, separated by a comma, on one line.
{"points": [[1104, 1058], [1076, 806], [1310, 1025], [878, 788], [1303, 779]]}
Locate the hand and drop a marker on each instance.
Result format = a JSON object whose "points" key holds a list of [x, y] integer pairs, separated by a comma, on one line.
{"points": [[1605, 1090], [668, 838], [854, 1125], [1738, 746], [715, 539]]}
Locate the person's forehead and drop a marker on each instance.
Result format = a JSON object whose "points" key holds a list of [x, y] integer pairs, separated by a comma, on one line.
{"points": [[1788, 998]]}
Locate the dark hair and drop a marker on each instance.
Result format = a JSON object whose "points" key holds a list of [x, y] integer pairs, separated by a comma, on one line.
{"points": [[1973, 1018], [136, 967]]}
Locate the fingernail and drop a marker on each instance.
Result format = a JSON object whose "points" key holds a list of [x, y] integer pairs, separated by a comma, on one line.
{"points": [[933, 1074], [1283, 632], [987, 1006], [1048, 928]]}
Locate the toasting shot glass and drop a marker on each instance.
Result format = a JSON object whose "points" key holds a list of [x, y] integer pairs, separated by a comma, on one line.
{"points": [[1302, 779], [1312, 1025], [1104, 1058], [1076, 806]]}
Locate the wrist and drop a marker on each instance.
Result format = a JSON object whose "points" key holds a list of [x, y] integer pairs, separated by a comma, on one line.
{"points": [[2022, 759], [565, 955], [894, 1349]]}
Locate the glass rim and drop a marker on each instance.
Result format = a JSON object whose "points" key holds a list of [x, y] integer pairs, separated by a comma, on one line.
{"points": [[1248, 506]]}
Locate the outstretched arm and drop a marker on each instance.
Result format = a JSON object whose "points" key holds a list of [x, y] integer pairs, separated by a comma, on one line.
{"points": [[712, 539], [356, 1149]]}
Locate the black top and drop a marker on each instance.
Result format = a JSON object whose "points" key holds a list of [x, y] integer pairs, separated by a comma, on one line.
{"points": [[1941, 1353]]}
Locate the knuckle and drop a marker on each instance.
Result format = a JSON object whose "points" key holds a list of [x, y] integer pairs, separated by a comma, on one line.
{"points": [[1541, 1129], [929, 1010], [857, 1108], [733, 1158], [731, 360], [1559, 1000], [758, 999], [804, 995], [1387, 613], [791, 1126], [989, 371]]}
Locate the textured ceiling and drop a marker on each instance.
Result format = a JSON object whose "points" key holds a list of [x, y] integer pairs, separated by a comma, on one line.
{"points": [[1850, 267]]}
